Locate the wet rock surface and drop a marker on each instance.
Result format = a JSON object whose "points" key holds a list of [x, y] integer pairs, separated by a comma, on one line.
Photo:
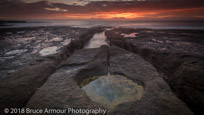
{"points": [[52, 76], [178, 54], [17, 87], [62, 89], [23, 47]]}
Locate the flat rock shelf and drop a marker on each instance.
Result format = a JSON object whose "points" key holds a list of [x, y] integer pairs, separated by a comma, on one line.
{"points": [[123, 71], [134, 78]]}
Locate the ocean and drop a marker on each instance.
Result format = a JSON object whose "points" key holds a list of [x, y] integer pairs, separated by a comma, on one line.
{"points": [[125, 24]]}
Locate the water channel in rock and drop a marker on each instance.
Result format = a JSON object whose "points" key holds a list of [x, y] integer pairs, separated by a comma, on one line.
{"points": [[98, 40]]}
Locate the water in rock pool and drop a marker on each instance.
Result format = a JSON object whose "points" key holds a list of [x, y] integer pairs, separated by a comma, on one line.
{"points": [[131, 35], [48, 51], [112, 90]]}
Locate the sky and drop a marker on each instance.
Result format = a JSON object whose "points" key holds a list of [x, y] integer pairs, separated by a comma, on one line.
{"points": [[102, 9]]}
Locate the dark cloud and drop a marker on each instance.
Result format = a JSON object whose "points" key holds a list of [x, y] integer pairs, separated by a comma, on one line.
{"points": [[20, 9]]}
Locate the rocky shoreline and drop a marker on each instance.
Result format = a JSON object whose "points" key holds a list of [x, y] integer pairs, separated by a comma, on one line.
{"points": [[43, 67], [177, 54]]}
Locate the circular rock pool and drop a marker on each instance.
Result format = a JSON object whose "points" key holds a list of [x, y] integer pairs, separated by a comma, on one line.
{"points": [[112, 90]]}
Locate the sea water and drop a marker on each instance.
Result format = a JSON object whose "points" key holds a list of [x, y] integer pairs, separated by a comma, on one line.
{"points": [[124, 24]]}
